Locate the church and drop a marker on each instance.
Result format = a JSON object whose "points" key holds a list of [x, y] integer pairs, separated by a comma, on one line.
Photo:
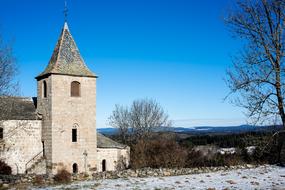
{"points": [[57, 129]]}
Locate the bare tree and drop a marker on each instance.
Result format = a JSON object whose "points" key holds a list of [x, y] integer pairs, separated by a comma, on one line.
{"points": [[8, 70], [258, 74], [120, 119], [139, 120], [8, 85]]}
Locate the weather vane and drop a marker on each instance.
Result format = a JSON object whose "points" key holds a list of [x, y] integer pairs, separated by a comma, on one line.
{"points": [[65, 10]]}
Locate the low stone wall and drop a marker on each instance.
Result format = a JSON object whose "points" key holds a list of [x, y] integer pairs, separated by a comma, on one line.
{"points": [[145, 172], [150, 172]]}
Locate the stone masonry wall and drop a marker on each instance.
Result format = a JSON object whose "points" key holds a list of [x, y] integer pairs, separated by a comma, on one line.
{"points": [[44, 108], [68, 113], [21, 142], [144, 172], [113, 157]]}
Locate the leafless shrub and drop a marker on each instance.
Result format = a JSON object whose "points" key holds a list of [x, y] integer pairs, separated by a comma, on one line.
{"points": [[62, 176], [5, 168], [122, 163], [158, 153], [38, 180]]}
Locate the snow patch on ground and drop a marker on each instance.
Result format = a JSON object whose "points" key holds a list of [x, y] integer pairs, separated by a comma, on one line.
{"points": [[263, 177]]}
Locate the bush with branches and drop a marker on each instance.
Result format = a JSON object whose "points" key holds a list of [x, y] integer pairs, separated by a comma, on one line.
{"points": [[62, 176], [5, 169], [158, 153]]}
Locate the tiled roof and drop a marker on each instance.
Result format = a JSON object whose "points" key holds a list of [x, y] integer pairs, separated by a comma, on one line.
{"points": [[105, 142], [66, 58], [17, 108]]}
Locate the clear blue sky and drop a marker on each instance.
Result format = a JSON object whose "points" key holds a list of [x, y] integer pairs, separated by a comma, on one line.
{"points": [[174, 51]]}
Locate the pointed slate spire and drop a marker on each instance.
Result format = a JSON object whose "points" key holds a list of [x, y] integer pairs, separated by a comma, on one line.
{"points": [[66, 59]]}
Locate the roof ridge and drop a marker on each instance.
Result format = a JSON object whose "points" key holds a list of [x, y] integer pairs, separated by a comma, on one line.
{"points": [[60, 43], [19, 97]]}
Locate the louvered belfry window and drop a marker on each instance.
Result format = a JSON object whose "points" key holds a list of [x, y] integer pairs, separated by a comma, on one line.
{"points": [[75, 89]]}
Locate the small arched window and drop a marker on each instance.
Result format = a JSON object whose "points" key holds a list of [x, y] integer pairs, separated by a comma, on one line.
{"points": [[44, 89], [75, 89], [1, 133], [75, 168]]}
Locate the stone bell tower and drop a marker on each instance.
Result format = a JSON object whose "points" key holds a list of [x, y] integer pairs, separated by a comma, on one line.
{"points": [[67, 102]]}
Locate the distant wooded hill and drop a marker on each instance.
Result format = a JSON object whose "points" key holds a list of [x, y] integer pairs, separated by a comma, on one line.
{"points": [[205, 130]]}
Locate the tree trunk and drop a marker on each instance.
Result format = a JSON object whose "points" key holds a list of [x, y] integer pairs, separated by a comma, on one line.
{"points": [[281, 148]]}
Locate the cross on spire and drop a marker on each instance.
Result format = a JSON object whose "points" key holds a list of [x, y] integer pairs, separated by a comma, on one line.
{"points": [[65, 11]]}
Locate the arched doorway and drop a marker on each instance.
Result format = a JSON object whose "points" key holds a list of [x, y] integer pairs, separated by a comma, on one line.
{"points": [[75, 168], [103, 165]]}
